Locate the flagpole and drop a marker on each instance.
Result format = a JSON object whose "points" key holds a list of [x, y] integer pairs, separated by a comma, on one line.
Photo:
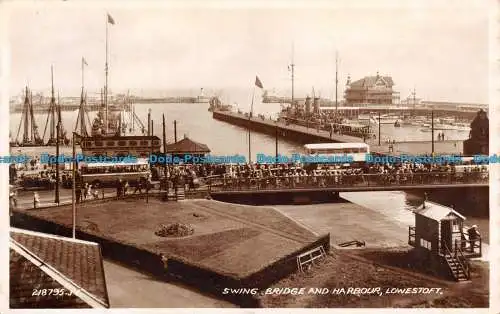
{"points": [[249, 117], [81, 113], [82, 73], [106, 83]]}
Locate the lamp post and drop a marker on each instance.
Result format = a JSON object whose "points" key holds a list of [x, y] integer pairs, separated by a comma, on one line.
{"points": [[276, 142], [150, 135], [73, 196], [175, 131], [379, 124], [58, 128]]}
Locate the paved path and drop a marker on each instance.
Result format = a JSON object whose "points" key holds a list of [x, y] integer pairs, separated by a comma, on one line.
{"points": [[128, 288]]}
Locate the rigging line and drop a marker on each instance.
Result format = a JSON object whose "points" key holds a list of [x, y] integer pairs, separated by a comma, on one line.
{"points": [[47, 122]]}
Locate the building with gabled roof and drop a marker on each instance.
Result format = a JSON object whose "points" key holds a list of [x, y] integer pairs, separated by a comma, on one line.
{"points": [[49, 271], [371, 90], [187, 146], [440, 235]]}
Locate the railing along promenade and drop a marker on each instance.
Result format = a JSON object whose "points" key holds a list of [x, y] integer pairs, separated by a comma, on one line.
{"points": [[340, 182]]}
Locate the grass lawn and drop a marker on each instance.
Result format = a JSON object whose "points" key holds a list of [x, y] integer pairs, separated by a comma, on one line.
{"points": [[228, 238]]}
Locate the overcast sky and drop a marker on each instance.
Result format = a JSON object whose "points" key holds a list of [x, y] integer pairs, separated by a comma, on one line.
{"points": [[440, 48]]}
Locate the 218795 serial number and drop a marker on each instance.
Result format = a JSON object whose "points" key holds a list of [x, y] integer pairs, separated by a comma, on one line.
{"points": [[47, 292]]}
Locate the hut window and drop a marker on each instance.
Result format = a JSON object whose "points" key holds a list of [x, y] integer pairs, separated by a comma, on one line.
{"points": [[144, 143], [156, 143], [110, 143], [455, 225], [132, 143], [425, 244], [122, 143], [98, 143]]}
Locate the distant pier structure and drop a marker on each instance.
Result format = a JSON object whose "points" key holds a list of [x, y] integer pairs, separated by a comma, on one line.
{"points": [[478, 142]]}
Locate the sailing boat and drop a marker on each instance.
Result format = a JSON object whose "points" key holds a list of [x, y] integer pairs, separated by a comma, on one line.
{"points": [[31, 137]]}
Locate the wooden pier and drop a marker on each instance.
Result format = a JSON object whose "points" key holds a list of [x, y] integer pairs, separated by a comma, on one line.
{"points": [[304, 135]]}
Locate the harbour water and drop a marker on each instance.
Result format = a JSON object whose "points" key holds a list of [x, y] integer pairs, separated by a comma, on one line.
{"points": [[222, 138]]}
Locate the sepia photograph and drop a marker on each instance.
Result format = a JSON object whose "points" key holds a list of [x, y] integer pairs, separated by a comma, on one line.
{"points": [[247, 154]]}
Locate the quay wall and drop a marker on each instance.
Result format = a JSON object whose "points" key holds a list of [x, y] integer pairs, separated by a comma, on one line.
{"points": [[279, 197], [291, 132]]}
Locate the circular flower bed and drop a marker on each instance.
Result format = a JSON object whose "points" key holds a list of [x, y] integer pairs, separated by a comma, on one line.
{"points": [[174, 230]]}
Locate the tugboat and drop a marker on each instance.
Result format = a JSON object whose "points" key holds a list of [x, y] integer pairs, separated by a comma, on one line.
{"points": [[216, 104]]}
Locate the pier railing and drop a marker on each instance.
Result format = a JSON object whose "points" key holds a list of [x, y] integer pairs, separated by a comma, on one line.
{"points": [[226, 183]]}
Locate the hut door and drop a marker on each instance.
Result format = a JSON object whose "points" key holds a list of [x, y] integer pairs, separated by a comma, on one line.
{"points": [[446, 234]]}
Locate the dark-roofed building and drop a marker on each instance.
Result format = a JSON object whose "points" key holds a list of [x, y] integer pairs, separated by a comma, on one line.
{"points": [[48, 271], [371, 90], [186, 146]]}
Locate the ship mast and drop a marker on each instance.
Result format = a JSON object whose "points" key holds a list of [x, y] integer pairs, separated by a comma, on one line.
{"points": [[26, 109], [106, 69], [336, 79], [291, 67], [51, 116], [83, 129], [414, 99], [81, 111]]}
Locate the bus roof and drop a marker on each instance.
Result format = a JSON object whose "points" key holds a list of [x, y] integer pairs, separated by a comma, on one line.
{"points": [[138, 162], [336, 145]]}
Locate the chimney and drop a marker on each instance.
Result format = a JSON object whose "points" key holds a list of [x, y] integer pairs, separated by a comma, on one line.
{"points": [[316, 105]]}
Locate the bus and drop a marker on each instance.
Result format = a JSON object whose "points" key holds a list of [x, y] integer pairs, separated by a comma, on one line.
{"points": [[358, 151], [107, 174]]}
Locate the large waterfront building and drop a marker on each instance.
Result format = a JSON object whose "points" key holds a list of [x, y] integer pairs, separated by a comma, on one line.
{"points": [[371, 90]]}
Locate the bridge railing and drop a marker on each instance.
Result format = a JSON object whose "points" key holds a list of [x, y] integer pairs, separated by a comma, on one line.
{"points": [[223, 183]]}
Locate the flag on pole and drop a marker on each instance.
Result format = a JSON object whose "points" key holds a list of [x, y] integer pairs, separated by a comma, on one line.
{"points": [[84, 61], [258, 83], [111, 20]]}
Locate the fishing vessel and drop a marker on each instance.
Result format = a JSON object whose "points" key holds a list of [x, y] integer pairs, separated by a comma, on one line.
{"points": [[385, 119], [458, 126], [462, 126]]}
